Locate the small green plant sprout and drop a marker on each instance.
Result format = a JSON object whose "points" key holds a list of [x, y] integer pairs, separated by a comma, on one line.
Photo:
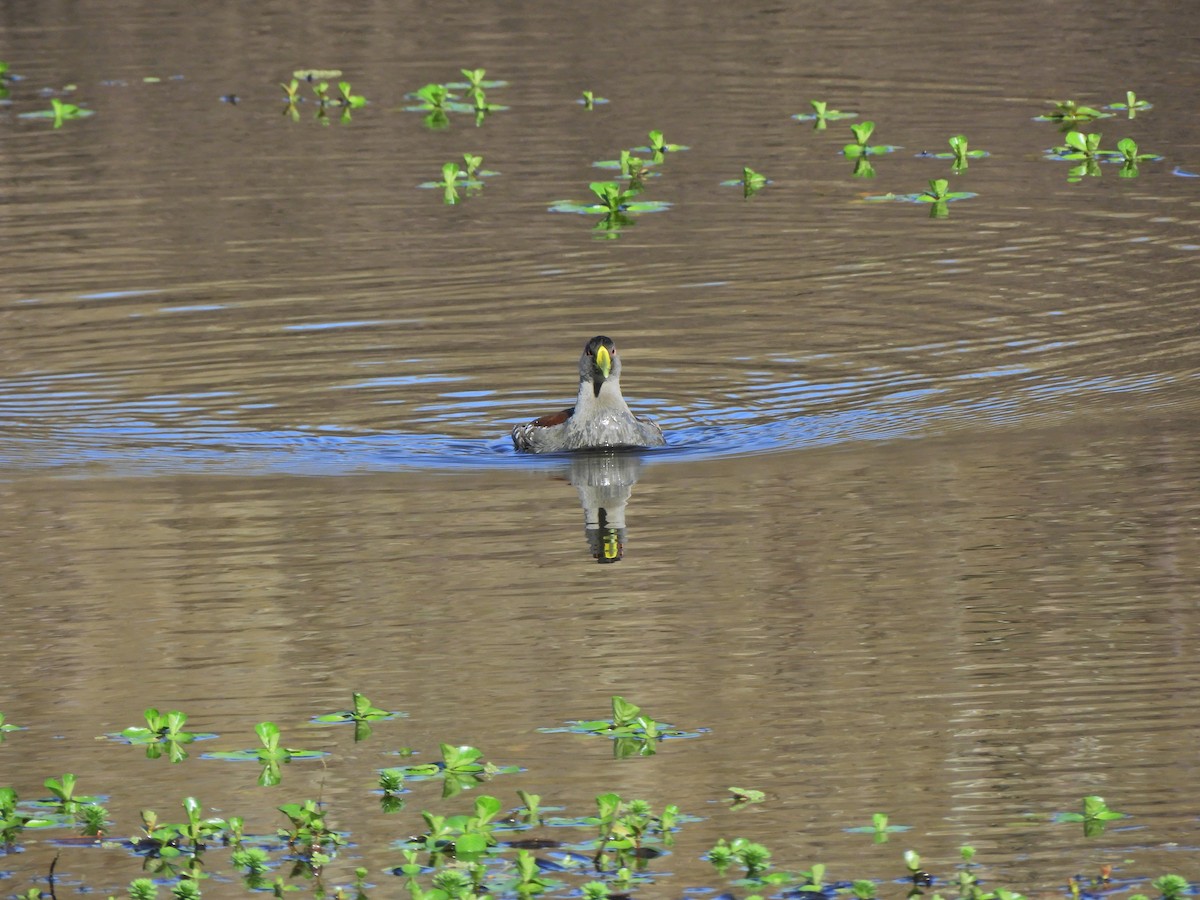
{"points": [[813, 881], [6, 727], [186, 889], [721, 856], [1171, 887], [751, 182], [270, 754], [482, 107], [822, 115], [1094, 816], [12, 823], [59, 112], [529, 878], [860, 147], [467, 837], [636, 169], [659, 146], [320, 91], [473, 172], [1068, 112], [460, 768], [912, 860], [1079, 146], [879, 828], [475, 82], [391, 786], [198, 830], [938, 195], [632, 732], [142, 889], [1132, 105], [965, 879], [93, 820], [361, 715], [755, 857], [453, 176], [162, 841], [939, 192], [590, 101], [1130, 157], [162, 733], [595, 890], [959, 153], [309, 833], [613, 200], [63, 792], [436, 101], [861, 889], [159, 726], [268, 736], [745, 796], [433, 96], [532, 813], [349, 99]]}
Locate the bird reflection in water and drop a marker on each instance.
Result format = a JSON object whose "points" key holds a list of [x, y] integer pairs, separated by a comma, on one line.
{"points": [[605, 480]]}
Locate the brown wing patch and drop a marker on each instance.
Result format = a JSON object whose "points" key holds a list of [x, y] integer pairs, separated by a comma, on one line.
{"points": [[552, 419]]}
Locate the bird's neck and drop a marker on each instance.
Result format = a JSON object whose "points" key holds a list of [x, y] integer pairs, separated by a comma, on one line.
{"points": [[609, 396]]}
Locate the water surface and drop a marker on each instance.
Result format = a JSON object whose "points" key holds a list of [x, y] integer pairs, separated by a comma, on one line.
{"points": [[923, 538]]}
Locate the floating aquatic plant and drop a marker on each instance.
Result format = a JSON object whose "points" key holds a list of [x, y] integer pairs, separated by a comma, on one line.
{"points": [[463, 836], [319, 80], [475, 81], [1094, 816], [632, 732], [1068, 112], [462, 767], [270, 754], [879, 828], [309, 833], [860, 147], [918, 876], [959, 153], [162, 734], [315, 75], [751, 182], [756, 858], [1171, 887], [437, 100], [659, 146], [12, 823], [939, 194], [360, 715], [1132, 105], [1130, 157], [822, 115], [612, 199], [590, 100], [59, 112], [636, 169], [745, 796]]}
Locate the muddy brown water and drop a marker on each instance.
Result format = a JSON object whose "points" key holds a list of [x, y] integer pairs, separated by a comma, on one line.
{"points": [[924, 537]]}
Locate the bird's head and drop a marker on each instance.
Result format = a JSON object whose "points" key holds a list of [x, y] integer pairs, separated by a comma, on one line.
{"points": [[599, 362]]}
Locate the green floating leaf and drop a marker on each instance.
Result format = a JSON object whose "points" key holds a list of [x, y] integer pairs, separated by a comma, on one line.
{"points": [[317, 74]]}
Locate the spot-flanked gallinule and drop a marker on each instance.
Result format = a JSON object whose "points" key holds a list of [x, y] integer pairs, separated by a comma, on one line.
{"points": [[600, 417]]}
